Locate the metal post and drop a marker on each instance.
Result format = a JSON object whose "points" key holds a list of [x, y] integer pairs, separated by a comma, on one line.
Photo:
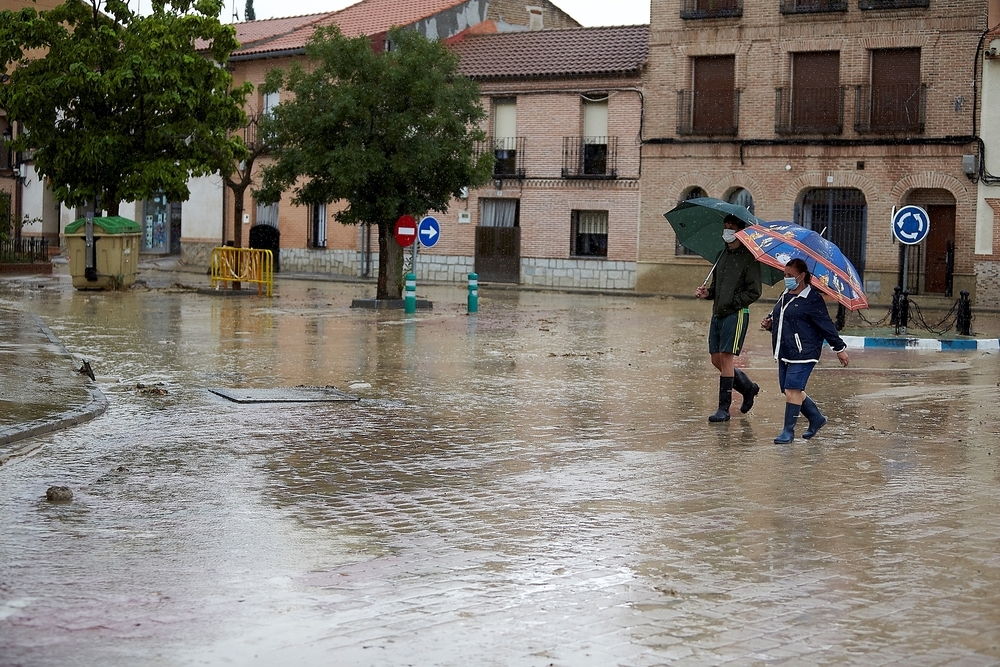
{"points": [[473, 292], [963, 321], [90, 256], [904, 312], [897, 294], [410, 300]]}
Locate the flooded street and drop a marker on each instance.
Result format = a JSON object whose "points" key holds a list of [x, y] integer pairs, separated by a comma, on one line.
{"points": [[533, 485]]}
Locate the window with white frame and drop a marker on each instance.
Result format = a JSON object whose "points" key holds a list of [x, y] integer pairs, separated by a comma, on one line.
{"points": [[268, 102], [499, 212], [317, 226], [589, 234]]}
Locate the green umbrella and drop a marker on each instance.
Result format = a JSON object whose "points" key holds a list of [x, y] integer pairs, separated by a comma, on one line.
{"points": [[698, 226]]}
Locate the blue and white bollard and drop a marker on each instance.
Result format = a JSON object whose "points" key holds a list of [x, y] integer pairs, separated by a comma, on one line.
{"points": [[473, 292], [410, 296]]}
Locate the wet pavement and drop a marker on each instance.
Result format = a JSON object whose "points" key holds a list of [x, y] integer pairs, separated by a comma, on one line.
{"points": [[533, 485]]}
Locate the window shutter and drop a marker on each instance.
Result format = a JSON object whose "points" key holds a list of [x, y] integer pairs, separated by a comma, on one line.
{"points": [[595, 121], [505, 119]]}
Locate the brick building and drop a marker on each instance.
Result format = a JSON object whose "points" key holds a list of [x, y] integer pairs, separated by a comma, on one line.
{"points": [[307, 242], [826, 112], [562, 208]]}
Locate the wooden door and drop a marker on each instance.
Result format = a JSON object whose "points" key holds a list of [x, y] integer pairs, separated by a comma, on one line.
{"points": [[816, 91], [940, 249], [895, 89], [498, 254], [714, 94]]}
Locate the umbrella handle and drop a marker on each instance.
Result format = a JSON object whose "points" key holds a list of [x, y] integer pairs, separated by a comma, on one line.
{"points": [[709, 276]]}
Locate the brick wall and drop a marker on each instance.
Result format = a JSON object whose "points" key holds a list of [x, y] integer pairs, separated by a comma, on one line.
{"points": [[777, 175], [516, 12]]}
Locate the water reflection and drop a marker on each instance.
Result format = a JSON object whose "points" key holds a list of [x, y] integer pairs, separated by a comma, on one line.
{"points": [[538, 475]]}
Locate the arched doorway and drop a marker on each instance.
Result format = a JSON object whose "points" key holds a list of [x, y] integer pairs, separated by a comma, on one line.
{"points": [[840, 215], [691, 193], [936, 255], [741, 197]]}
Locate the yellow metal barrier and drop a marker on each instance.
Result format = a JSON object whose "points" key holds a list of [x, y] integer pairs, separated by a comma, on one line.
{"points": [[243, 265]]}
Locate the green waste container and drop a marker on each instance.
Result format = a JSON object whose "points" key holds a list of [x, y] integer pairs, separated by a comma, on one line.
{"points": [[116, 252]]}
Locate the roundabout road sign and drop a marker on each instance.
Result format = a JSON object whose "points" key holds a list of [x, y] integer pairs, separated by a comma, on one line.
{"points": [[910, 225], [405, 231], [429, 231]]}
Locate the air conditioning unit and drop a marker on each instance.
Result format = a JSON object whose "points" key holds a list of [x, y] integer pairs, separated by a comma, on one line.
{"points": [[992, 52]]}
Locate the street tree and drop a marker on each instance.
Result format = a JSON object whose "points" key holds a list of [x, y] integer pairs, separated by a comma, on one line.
{"points": [[385, 133], [116, 106]]}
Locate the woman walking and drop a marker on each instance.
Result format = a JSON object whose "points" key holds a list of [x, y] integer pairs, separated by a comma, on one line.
{"points": [[799, 323]]}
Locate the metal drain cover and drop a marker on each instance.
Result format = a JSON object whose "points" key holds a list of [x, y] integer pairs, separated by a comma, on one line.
{"points": [[284, 395]]}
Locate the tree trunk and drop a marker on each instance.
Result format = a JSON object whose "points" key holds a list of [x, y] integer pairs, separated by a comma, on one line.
{"points": [[390, 264], [238, 193], [113, 206], [238, 218]]}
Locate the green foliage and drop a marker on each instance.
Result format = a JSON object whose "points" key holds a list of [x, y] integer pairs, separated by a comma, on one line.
{"points": [[122, 106], [248, 13], [388, 133], [6, 217]]}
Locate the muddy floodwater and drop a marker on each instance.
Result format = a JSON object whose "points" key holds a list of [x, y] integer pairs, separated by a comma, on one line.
{"points": [[534, 485]]}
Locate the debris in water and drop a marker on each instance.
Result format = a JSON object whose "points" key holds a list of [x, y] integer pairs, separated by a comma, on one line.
{"points": [[58, 494]]}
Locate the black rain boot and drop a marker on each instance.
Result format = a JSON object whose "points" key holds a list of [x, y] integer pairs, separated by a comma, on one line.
{"points": [[791, 415], [725, 400], [815, 417], [747, 387]]}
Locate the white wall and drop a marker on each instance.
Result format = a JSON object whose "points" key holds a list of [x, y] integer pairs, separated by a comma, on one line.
{"points": [[201, 214], [990, 132]]}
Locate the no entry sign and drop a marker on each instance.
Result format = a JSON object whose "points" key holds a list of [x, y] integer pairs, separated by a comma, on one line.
{"points": [[406, 230]]}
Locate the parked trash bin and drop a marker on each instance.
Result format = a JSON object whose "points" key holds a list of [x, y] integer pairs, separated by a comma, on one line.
{"points": [[116, 252], [266, 237]]}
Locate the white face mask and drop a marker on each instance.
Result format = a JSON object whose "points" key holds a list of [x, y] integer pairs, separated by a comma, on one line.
{"points": [[728, 235]]}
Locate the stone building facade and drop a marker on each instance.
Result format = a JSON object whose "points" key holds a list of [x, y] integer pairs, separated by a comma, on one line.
{"points": [[830, 113]]}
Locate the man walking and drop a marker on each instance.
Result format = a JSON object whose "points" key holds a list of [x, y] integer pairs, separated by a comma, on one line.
{"points": [[735, 285]]}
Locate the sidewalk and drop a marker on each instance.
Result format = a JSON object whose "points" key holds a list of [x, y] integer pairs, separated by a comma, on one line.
{"points": [[41, 391]]}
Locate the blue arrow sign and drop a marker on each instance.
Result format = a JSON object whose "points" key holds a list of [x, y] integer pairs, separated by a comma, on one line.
{"points": [[910, 225], [428, 231]]}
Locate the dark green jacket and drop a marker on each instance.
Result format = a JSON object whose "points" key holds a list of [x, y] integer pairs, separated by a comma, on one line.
{"points": [[735, 282]]}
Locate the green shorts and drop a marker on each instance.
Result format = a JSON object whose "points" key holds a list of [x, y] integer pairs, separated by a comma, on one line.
{"points": [[726, 334]]}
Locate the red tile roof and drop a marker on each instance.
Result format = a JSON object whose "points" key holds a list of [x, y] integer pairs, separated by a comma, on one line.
{"points": [[551, 53], [368, 17]]}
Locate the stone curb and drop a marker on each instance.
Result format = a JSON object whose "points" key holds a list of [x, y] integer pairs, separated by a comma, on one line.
{"points": [[95, 406], [931, 344]]}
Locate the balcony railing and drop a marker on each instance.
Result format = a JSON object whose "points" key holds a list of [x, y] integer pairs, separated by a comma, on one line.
{"points": [[892, 108], [590, 157], [809, 110], [812, 6], [509, 155], [708, 112], [711, 9], [893, 4]]}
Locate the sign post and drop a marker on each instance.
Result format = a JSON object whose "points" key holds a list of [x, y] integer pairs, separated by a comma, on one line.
{"points": [[910, 226], [429, 231], [405, 230]]}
